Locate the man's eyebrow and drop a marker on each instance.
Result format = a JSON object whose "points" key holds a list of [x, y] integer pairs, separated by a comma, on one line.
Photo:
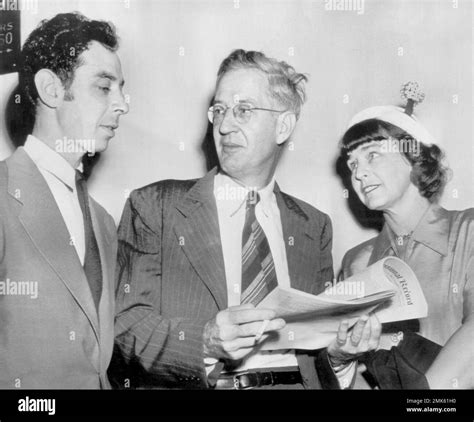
{"points": [[239, 100], [110, 76]]}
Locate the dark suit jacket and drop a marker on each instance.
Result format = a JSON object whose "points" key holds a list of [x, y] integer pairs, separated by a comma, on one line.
{"points": [[57, 340], [171, 278]]}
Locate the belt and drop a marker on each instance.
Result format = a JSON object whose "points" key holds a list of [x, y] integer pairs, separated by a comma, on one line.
{"points": [[247, 380]]}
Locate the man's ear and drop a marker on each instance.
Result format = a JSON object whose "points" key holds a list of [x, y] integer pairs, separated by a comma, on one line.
{"points": [[286, 126], [49, 87]]}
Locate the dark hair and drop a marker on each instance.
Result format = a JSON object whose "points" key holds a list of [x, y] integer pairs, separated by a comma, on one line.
{"points": [[56, 44], [286, 85], [428, 173]]}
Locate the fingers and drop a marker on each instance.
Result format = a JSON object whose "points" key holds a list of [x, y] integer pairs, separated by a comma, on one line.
{"points": [[251, 329], [244, 340], [243, 316], [238, 343], [376, 331], [366, 333], [244, 321], [223, 317], [239, 307], [342, 333], [358, 330], [369, 338]]}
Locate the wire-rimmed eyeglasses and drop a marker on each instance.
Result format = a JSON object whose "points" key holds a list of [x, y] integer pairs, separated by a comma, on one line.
{"points": [[242, 112]]}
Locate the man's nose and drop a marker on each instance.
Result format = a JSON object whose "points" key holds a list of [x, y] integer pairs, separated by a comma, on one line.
{"points": [[120, 105], [228, 123]]}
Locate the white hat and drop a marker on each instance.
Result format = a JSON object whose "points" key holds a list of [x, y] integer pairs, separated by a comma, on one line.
{"points": [[402, 118]]}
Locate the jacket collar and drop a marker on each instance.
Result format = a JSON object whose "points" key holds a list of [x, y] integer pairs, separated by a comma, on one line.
{"points": [[38, 213], [432, 231], [201, 232]]}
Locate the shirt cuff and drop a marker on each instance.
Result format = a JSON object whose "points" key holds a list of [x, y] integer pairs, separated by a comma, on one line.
{"points": [[210, 364], [345, 374]]}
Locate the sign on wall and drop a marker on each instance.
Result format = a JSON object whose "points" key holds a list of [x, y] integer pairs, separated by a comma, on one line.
{"points": [[10, 43]]}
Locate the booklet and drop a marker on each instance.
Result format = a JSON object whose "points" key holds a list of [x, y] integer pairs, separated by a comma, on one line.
{"points": [[388, 287]]}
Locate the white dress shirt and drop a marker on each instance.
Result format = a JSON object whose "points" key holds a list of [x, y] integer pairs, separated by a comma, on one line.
{"points": [[60, 177], [230, 201]]}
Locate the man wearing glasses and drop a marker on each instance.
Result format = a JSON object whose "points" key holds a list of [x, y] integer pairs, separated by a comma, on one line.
{"points": [[196, 256]]}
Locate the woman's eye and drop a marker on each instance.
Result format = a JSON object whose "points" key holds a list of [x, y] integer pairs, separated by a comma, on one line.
{"points": [[104, 88], [373, 154]]}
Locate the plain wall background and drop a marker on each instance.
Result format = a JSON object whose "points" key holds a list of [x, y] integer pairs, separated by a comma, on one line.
{"points": [[171, 50]]}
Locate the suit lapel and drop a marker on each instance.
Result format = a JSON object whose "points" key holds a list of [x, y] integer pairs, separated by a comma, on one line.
{"points": [[198, 233], [44, 224], [299, 239], [107, 257], [382, 246]]}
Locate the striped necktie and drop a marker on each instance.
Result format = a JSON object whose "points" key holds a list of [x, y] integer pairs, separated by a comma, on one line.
{"points": [[258, 269], [92, 264]]}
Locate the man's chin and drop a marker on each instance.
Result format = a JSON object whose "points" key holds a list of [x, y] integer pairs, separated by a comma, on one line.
{"points": [[231, 166], [100, 145]]}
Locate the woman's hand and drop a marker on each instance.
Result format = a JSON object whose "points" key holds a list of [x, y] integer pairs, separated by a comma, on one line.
{"points": [[350, 344]]}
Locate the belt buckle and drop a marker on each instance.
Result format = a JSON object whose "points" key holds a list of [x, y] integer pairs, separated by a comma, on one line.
{"points": [[246, 380]]}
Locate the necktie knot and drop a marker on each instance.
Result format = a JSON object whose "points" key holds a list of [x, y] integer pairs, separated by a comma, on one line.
{"points": [[253, 198], [80, 181], [79, 175]]}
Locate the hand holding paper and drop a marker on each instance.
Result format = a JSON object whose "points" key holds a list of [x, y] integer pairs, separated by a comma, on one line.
{"points": [[313, 321], [233, 333], [362, 338]]}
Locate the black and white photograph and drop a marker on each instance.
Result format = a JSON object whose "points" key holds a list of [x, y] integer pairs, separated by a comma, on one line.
{"points": [[233, 199]]}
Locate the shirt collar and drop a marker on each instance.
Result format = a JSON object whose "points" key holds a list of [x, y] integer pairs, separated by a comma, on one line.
{"points": [[232, 195], [49, 160], [432, 231]]}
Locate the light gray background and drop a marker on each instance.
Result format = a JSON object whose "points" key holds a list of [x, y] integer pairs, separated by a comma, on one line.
{"points": [[170, 52]]}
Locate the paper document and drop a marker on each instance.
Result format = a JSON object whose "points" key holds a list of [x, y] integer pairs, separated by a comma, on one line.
{"points": [[389, 287]]}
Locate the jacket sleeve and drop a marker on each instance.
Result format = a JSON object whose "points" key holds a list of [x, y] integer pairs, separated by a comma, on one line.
{"points": [[326, 375], [168, 351], [2, 248], [3, 200], [327, 271]]}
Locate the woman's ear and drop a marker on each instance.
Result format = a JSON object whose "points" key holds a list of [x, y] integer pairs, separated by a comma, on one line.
{"points": [[49, 87], [285, 127]]}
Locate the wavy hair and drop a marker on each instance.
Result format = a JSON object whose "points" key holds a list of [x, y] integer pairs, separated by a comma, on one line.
{"points": [[428, 173], [286, 85], [56, 44]]}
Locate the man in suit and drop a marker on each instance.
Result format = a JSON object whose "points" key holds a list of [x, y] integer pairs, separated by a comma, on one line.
{"points": [[196, 256], [57, 245]]}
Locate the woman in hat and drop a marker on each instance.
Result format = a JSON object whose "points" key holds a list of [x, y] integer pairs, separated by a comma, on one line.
{"points": [[396, 167]]}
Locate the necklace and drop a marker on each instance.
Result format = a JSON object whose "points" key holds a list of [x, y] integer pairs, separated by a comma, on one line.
{"points": [[402, 240]]}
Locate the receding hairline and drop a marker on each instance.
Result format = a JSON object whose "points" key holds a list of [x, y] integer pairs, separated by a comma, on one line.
{"points": [[249, 98]]}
